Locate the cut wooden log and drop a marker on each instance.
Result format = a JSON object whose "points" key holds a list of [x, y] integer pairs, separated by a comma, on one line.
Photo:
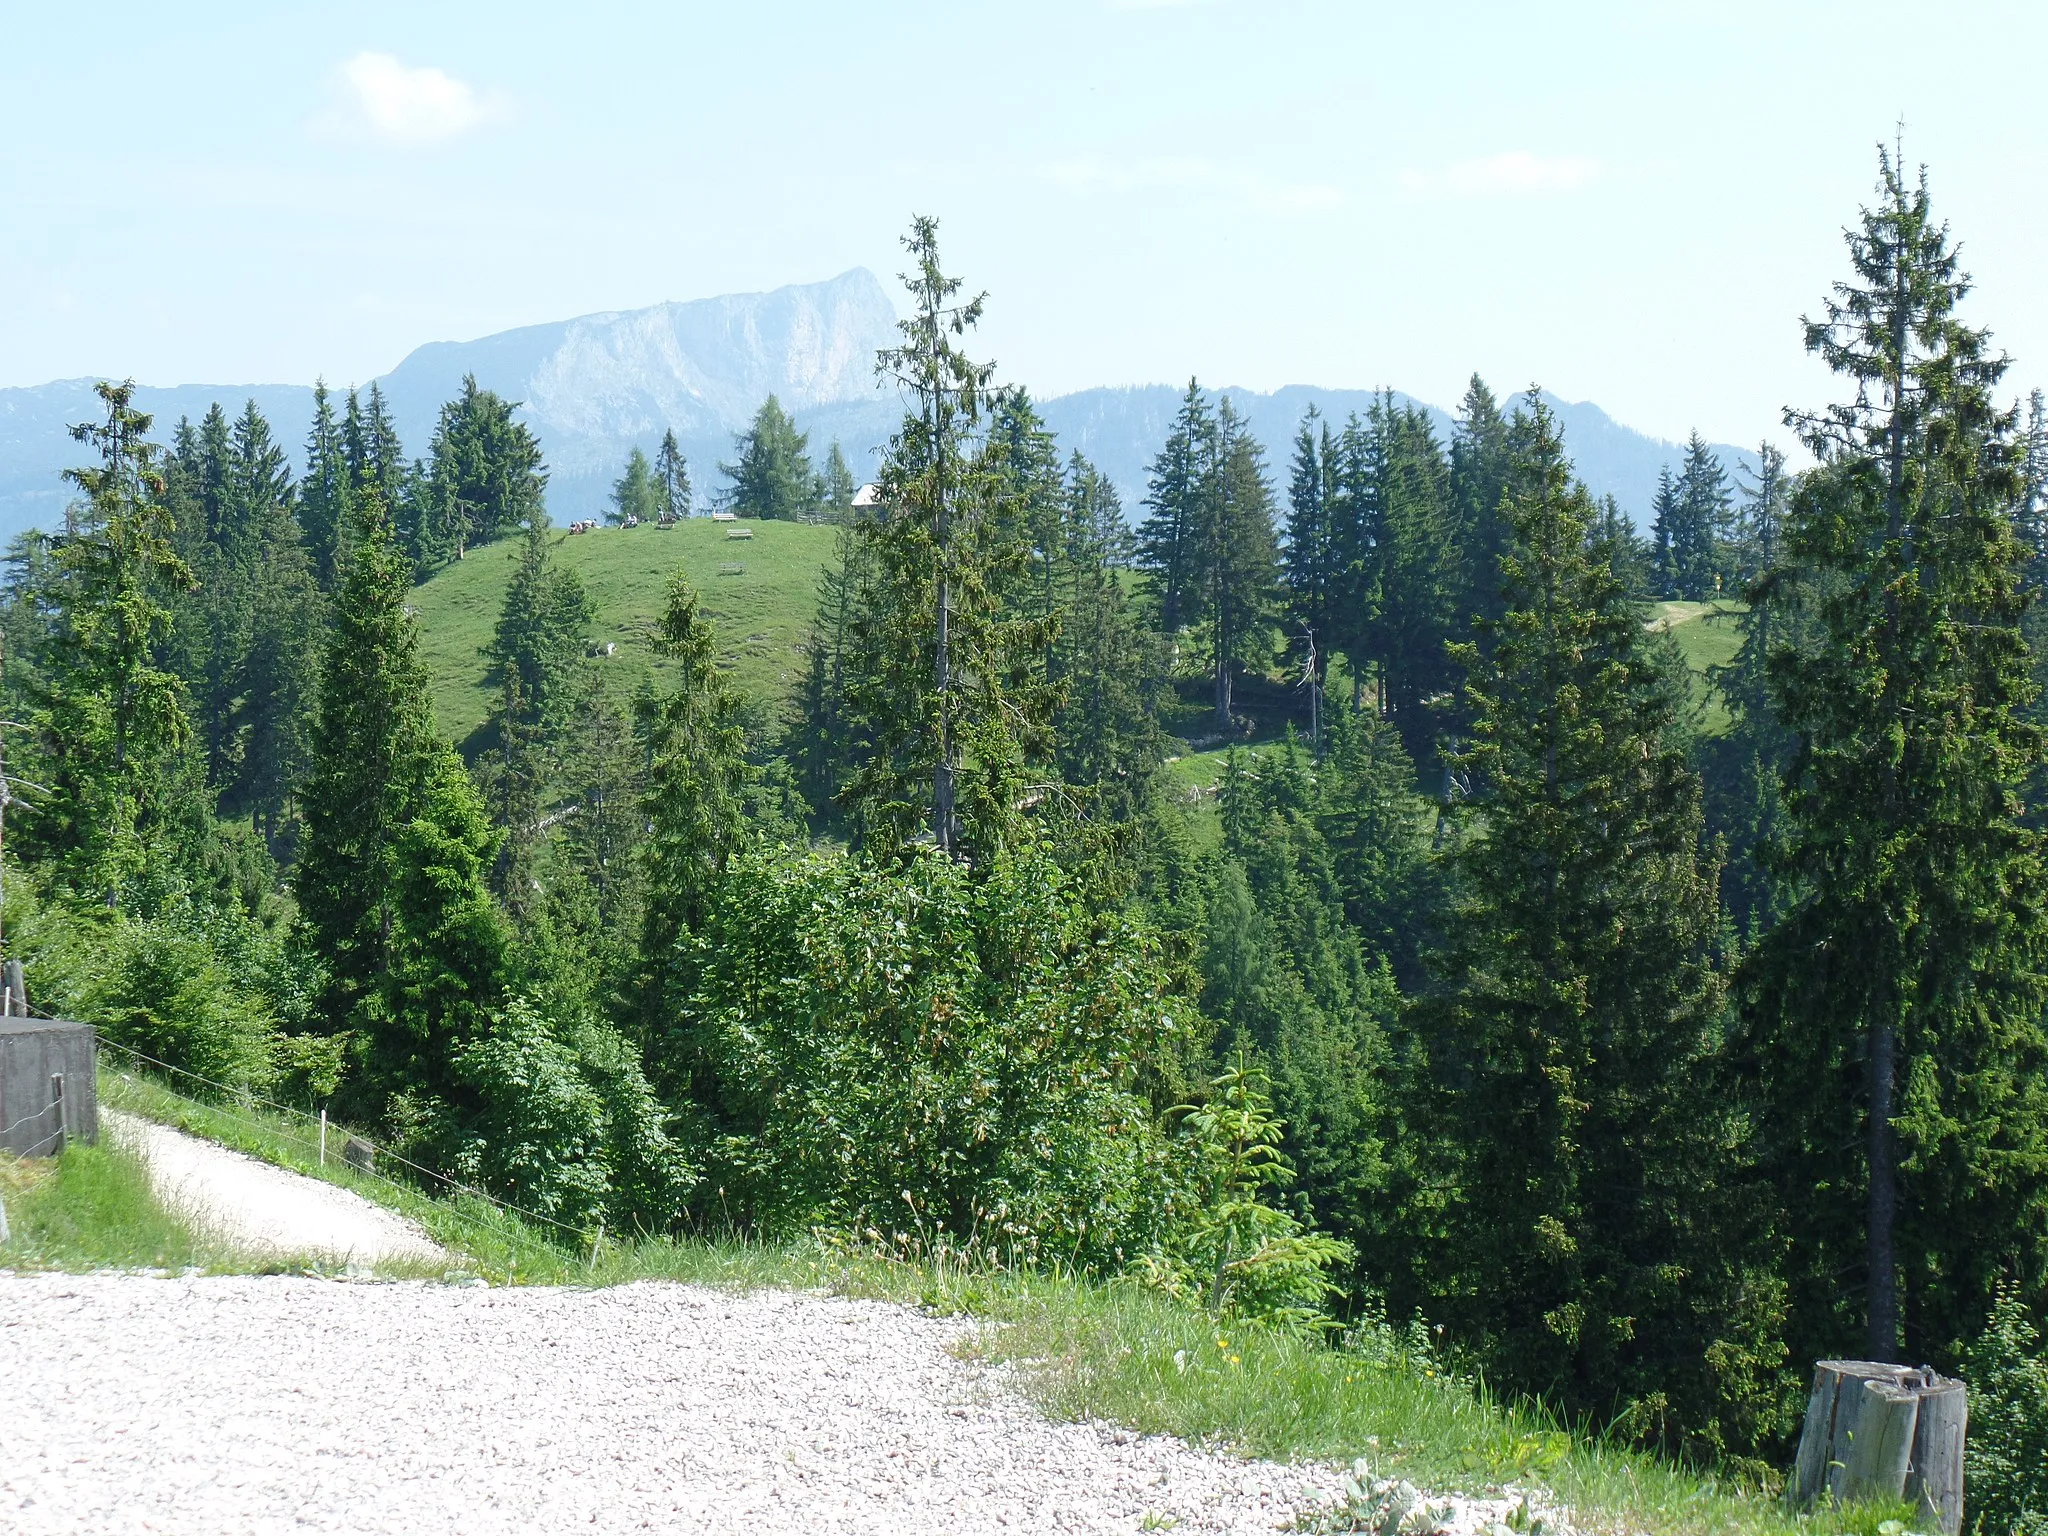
{"points": [[1937, 1478], [1874, 1437], [1882, 1433]]}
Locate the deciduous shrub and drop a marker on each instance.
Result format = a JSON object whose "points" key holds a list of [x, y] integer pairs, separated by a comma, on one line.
{"points": [[920, 1049], [562, 1122], [2006, 1468]]}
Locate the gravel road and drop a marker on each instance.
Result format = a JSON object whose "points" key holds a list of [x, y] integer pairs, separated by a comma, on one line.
{"points": [[218, 1406], [265, 1210]]}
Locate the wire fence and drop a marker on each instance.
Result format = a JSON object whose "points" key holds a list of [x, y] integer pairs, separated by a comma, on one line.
{"points": [[239, 1095], [56, 1103]]}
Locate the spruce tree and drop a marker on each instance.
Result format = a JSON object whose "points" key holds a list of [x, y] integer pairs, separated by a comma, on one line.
{"points": [[1357, 531], [1236, 560], [1894, 1016], [1598, 1245], [941, 678], [1287, 978], [535, 649], [1370, 816], [693, 808], [215, 612], [370, 445], [821, 743], [1697, 537], [1168, 539], [607, 777], [323, 493], [277, 671], [672, 479], [109, 722], [838, 489], [372, 749], [1759, 519], [1627, 555], [483, 478], [1028, 509], [1665, 535], [771, 473], [1418, 577], [2032, 514], [638, 493], [1107, 741], [442, 963], [1481, 455], [1315, 577]]}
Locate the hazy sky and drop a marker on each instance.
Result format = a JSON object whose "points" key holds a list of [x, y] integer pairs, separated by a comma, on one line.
{"points": [[1628, 202]]}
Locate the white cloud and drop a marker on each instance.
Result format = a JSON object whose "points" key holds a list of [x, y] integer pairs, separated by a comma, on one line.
{"points": [[1092, 173], [380, 98], [1516, 173]]}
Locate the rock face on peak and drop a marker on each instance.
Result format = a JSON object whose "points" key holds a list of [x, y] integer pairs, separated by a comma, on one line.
{"points": [[592, 388], [598, 385]]}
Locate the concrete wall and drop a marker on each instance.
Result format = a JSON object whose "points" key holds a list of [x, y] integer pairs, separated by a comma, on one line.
{"points": [[31, 1050]]}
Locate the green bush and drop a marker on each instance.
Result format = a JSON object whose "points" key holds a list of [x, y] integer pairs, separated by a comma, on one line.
{"points": [[165, 991], [210, 990], [561, 1123], [2006, 1464], [536, 1133], [927, 1052]]}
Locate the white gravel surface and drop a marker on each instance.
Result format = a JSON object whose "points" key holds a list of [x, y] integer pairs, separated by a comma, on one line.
{"points": [[217, 1406], [265, 1210]]}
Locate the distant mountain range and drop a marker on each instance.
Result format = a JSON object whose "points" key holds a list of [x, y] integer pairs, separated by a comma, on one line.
{"points": [[594, 388]]}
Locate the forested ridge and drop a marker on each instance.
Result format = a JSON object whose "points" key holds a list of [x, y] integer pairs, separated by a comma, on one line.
{"points": [[1647, 1061]]}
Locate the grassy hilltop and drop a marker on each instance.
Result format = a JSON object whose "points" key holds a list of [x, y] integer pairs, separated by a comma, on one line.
{"points": [[761, 610]]}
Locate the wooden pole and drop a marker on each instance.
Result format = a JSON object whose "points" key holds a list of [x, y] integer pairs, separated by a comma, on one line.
{"points": [[57, 1103]]}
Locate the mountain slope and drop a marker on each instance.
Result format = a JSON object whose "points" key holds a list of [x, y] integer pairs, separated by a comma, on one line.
{"points": [[597, 386]]}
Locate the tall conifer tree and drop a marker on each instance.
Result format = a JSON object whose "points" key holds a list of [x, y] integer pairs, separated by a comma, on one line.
{"points": [[693, 808], [1237, 565], [1168, 537], [323, 493], [1315, 578], [771, 472], [942, 677], [1702, 526], [1595, 1224], [109, 720], [1666, 535], [373, 743], [672, 477], [1895, 1016]]}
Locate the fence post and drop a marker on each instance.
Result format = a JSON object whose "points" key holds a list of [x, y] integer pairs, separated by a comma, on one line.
{"points": [[323, 1138], [57, 1103]]}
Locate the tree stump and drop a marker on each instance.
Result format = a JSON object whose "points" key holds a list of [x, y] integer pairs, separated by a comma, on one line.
{"points": [[359, 1155], [1883, 1433]]}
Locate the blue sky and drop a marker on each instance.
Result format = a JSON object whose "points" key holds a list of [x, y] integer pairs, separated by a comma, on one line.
{"points": [[1631, 203]]}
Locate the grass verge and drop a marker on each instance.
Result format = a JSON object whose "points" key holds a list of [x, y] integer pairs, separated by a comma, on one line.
{"points": [[92, 1209], [1112, 1351]]}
